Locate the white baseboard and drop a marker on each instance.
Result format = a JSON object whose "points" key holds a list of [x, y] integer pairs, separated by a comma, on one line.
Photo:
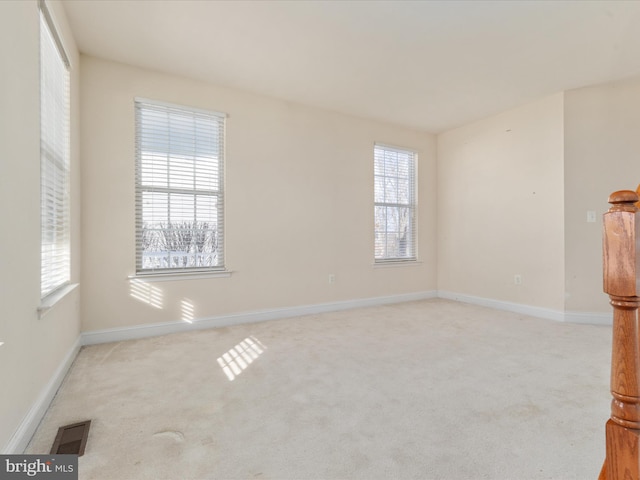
{"points": [[540, 312], [22, 436], [588, 318], [150, 330]]}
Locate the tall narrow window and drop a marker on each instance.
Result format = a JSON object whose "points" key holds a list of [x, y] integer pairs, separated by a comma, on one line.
{"points": [[55, 258], [179, 188], [395, 204]]}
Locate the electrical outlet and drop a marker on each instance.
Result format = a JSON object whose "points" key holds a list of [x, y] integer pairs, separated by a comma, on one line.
{"points": [[332, 278], [517, 279], [591, 216]]}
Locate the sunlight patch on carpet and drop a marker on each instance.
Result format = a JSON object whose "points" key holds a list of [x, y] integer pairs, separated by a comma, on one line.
{"points": [[238, 358]]}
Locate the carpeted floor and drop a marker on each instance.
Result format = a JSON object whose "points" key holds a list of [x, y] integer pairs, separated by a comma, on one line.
{"points": [[426, 390]]}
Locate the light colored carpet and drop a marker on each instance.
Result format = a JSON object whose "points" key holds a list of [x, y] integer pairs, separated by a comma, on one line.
{"points": [[428, 390]]}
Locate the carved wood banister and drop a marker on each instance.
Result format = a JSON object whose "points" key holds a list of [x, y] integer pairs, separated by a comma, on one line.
{"points": [[621, 268]]}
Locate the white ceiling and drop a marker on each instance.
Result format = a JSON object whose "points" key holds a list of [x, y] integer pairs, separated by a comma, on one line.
{"points": [[431, 65]]}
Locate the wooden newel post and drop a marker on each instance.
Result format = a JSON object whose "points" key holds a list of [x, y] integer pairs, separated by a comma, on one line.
{"points": [[621, 265]]}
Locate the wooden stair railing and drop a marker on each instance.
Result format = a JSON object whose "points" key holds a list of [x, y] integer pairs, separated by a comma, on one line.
{"points": [[621, 268]]}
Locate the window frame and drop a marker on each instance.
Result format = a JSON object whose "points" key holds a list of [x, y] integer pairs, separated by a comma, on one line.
{"points": [[178, 271], [55, 160], [411, 205]]}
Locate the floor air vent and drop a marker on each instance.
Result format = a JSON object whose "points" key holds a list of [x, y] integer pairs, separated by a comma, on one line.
{"points": [[71, 439]]}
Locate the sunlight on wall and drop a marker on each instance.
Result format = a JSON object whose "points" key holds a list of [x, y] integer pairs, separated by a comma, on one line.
{"points": [[187, 310], [147, 293], [238, 358]]}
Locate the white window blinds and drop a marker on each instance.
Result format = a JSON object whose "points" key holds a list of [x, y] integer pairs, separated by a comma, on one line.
{"points": [[395, 204], [179, 188], [55, 257]]}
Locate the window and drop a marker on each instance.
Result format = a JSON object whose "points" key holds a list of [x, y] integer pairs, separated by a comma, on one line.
{"points": [[179, 188], [395, 204], [55, 257]]}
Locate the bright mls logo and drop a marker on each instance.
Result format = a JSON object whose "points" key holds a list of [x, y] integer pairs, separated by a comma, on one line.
{"points": [[49, 467]]}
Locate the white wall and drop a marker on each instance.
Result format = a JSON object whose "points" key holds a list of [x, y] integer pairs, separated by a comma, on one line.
{"points": [[602, 155], [33, 348], [299, 203], [500, 206]]}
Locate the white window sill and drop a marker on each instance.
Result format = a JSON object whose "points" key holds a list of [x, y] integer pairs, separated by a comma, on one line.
{"points": [[399, 263], [170, 276], [48, 302]]}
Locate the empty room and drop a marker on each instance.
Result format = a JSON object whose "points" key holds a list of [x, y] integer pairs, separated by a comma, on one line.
{"points": [[319, 239]]}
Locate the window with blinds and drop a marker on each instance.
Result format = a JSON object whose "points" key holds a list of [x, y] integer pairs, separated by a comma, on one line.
{"points": [[395, 204], [55, 258], [179, 188]]}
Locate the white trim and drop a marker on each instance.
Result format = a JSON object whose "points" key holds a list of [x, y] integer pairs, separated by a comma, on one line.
{"points": [[397, 263], [172, 276], [539, 312], [51, 23], [54, 297], [22, 436], [143, 331], [589, 318], [155, 329]]}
